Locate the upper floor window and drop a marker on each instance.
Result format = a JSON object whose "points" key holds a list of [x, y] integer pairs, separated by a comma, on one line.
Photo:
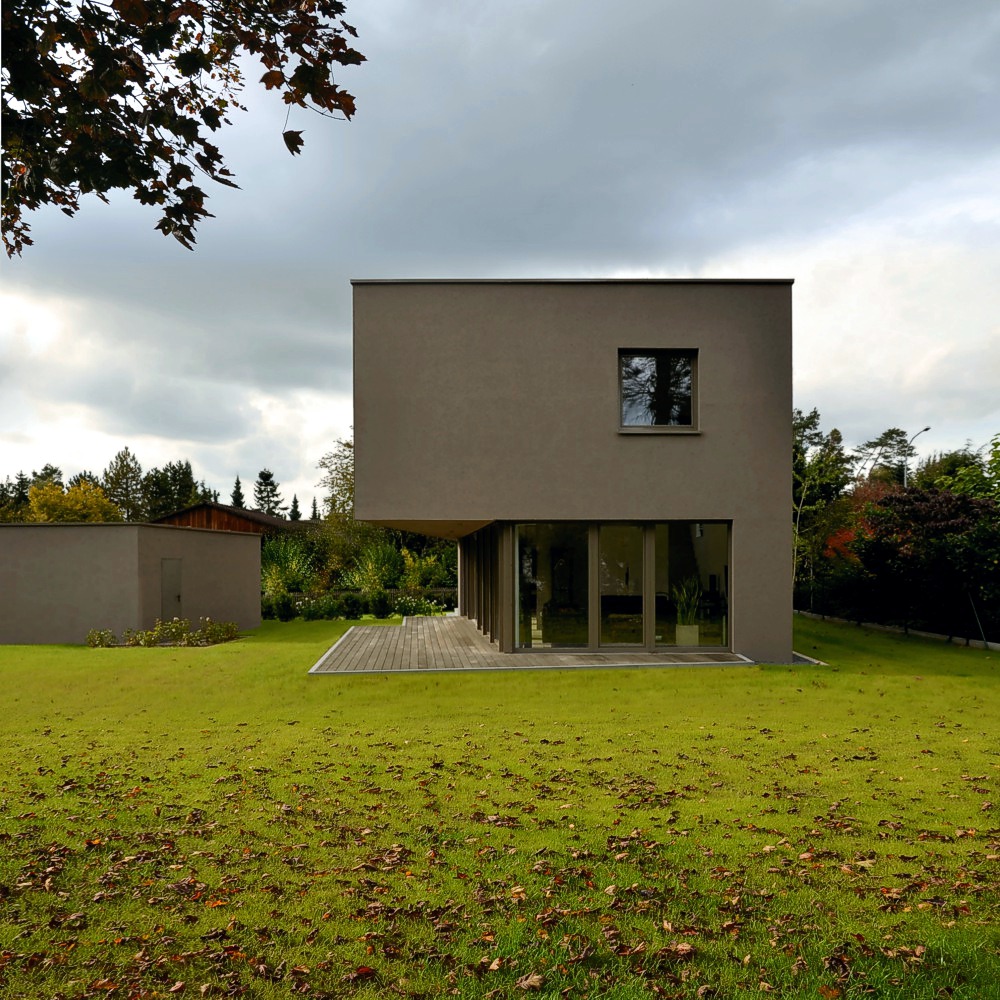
{"points": [[657, 387]]}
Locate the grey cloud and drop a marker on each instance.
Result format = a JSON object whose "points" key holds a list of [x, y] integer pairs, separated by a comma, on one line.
{"points": [[952, 396], [169, 408], [254, 327], [654, 112]]}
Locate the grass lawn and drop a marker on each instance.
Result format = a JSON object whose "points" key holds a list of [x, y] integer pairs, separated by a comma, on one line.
{"points": [[215, 822]]}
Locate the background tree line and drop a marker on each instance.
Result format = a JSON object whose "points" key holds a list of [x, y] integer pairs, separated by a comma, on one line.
{"points": [[877, 540], [124, 492]]}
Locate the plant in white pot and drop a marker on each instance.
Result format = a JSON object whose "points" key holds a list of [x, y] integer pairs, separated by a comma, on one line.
{"points": [[687, 597]]}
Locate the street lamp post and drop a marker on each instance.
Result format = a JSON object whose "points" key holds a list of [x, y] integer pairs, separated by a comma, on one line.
{"points": [[906, 457]]}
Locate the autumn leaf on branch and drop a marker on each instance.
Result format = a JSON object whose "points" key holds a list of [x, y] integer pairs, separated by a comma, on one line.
{"points": [[293, 140], [99, 97]]}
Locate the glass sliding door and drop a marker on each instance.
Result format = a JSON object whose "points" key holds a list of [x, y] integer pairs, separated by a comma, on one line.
{"points": [[552, 582], [620, 562], [692, 583]]}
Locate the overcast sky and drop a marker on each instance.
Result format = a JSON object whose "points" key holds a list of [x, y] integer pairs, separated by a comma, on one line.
{"points": [[852, 146]]}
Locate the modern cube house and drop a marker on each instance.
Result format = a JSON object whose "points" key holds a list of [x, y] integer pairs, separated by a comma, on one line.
{"points": [[613, 456]]}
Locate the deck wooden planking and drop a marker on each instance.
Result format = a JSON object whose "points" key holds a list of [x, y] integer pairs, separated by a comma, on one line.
{"points": [[454, 643]]}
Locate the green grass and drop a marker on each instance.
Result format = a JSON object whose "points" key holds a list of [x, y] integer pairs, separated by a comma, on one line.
{"points": [[199, 822]]}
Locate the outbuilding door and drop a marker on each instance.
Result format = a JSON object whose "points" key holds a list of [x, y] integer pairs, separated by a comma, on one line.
{"points": [[170, 589]]}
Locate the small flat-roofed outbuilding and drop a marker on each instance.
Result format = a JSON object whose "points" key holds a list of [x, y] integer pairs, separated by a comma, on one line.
{"points": [[59, 581]]}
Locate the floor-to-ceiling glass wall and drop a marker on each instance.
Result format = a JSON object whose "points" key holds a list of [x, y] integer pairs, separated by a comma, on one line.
{"points": [[552, 582], [622, 584]]}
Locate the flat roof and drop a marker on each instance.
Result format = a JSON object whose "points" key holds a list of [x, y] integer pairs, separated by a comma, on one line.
{"points": [[572, 281]]}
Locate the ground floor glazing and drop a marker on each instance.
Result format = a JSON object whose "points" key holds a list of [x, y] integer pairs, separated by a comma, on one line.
{"points": [[599, 585]]}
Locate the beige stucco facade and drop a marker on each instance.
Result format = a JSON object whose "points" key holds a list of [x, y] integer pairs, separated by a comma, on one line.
{"points": [[498, 403], [58, 581]]}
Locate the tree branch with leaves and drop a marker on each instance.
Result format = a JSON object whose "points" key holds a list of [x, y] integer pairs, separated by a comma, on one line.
{"points": [[99, 96]]}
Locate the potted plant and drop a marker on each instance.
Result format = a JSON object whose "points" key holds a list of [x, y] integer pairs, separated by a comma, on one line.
{"points": [[687, 597]]}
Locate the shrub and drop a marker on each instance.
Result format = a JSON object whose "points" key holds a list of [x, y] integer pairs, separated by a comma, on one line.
{"points": [[137, 637], [415, 604], [211, 633], [280, 606], [377, 568], [170, 633], [176, 632], [421, 571], [380, 604], [326, 606], [284, 607], [286, 565], [353, 608], [311, 608]]}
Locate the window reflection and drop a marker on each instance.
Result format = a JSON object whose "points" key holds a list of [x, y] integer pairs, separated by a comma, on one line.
{"points": [[656, 388], [692, 583], [621, 565], [552, 585]]}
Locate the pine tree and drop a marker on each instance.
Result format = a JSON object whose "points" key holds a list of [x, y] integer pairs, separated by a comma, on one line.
{"points": [[170, 489], [315, 511], [19, 498], [22, 486], [237, 499], [185, 490], [123, 486], [14, 498], [49, 474], [86, 476], [266, 495], [294, 514]]}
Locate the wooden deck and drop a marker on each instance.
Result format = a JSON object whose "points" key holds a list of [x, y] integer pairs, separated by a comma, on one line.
{"points": [[454, 643]]}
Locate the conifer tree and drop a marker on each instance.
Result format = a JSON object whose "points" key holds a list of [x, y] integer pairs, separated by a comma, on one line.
{"points": [[266, 494], [22, 484], [170, 489], [85, 476], [14, 498], [237, 499], [49, 474], [294, 514], [122, 484]]}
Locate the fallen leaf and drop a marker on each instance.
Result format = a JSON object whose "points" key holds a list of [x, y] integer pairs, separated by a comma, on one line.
{"points": [[532, 981]]}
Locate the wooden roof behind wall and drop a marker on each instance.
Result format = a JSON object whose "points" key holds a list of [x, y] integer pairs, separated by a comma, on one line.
{"points": [[220, 517]]}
